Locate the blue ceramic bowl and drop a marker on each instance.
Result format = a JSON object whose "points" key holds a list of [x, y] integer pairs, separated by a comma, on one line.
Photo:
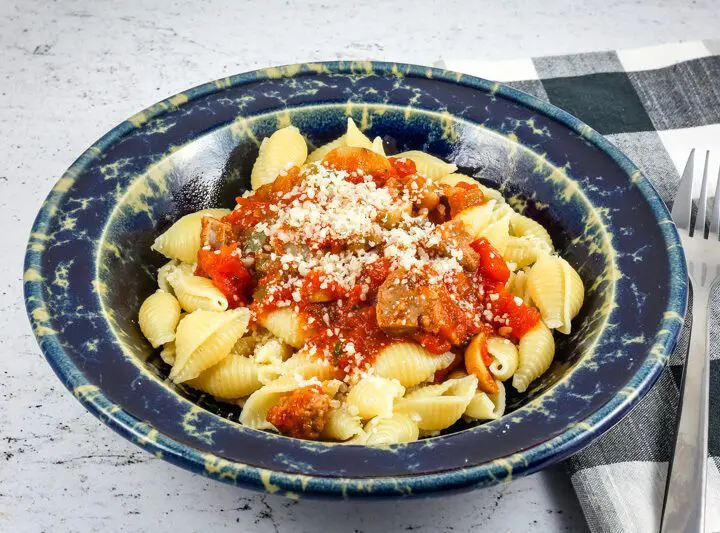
{"points": [[89, 266]]}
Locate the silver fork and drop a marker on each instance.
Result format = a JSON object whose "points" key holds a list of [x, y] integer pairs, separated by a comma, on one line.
{"points": [[684, 504]]}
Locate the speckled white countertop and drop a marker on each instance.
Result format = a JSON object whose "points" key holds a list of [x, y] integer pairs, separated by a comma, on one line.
{"points": [[70, 70]]}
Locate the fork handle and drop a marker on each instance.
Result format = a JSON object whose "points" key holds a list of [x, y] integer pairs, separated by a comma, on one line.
{"points": [[684, 504]]}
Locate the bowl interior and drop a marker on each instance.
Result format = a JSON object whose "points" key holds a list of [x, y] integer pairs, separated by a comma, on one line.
{"points": [[212, 170]]}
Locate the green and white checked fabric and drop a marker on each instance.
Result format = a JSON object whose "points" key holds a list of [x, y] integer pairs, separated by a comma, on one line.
{"points": [[655, 104]]}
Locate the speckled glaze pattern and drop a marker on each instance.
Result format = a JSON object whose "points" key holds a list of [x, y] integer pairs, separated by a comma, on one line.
{"points": [[88, 267]]}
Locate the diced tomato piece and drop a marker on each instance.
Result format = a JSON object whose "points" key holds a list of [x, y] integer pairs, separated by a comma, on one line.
{"points": [[249, 212], [433, 343], [521, 317], [353, 159], [492, 265], [403, 166], [377, 272], [227, 272], [462, 196]]}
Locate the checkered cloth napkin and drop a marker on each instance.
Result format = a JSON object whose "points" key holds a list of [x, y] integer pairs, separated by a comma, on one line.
{"points": [[655, 104]]}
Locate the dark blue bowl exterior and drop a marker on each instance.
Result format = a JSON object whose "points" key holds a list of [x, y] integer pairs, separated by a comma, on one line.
{"points": [[88, 267]]}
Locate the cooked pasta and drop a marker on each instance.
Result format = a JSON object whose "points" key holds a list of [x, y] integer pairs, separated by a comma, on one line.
{"points": [[352, 137], [374, 396], [233, 377], [557, 290], [305, 366], [286, 325], [520, 251], [517, 286], [358, 297], [476, 218], [437, 407], [167, 354], [523, 226], [158, 317], [504, 355], [410, 364], [182, 240], [377, 146], [341, 425], [162, 275], [394, 429], [535, 353], [195, 292], [282, 150], [204, 338], [427, 165], [497, 234], [484, 406]]}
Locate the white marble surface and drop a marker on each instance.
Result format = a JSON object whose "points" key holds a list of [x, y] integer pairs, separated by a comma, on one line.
{"points": [[70, 70]]}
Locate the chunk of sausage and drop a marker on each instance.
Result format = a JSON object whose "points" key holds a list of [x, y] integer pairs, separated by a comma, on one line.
{"points": [[399, 305], [303, 414], [406, 304], [454, 237], [215, 233]]}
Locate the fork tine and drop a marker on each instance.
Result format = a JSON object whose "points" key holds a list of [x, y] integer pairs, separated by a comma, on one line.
{"points": [[682, 205], [715, 221], [702, 202]]}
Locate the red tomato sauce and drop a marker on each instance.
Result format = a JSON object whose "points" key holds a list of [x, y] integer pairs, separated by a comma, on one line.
{"points": [[342, 323]]}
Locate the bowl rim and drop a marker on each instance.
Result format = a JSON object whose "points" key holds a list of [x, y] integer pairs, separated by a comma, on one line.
{"points": [[498, 469]]}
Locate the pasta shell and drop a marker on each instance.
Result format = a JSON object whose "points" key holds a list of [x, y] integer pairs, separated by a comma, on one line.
{"points": [[409, 363], [234, 376], [395, 429], [535, 353], [521, 251], [517, 286], [158, 317], [522, 226], [436, 407], [341, 425], [374, 396], [428, 165], [475, 219], [163, 273], [505, 357], [497, 234], [353, 137], [283, 149], [270, 354], [303, 365], [167, 354], [377, 146], [195, 292], [287, 325], [455, 178], [485, 406], [356, 138], [204, 338], [182, 240], [245, 346], [557, 290]]}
